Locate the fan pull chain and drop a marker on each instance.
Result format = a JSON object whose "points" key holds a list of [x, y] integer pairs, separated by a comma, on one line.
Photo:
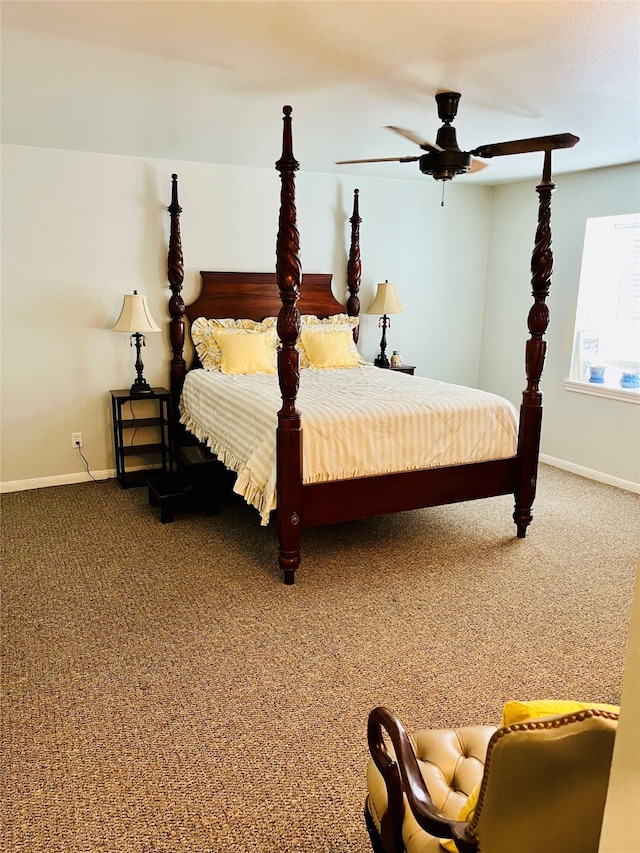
{"points": [[442, 202]]}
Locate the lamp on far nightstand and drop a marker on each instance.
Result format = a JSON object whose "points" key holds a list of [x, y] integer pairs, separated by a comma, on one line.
{"points": [[386, 302], [136, 319]]}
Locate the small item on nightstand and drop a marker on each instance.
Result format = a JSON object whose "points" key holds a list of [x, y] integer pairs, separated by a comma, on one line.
{"points": [[396, 359]]}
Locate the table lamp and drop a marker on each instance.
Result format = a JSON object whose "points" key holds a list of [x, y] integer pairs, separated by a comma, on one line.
{"points": [[385, 303], [136, 319]]}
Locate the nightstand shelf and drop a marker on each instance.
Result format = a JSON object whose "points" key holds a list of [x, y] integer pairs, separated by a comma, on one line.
{"points": [[157, 452], [138, 423]]}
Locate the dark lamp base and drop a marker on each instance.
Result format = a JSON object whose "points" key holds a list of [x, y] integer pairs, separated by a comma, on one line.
{"points": [[140, 388], [381, 361]]}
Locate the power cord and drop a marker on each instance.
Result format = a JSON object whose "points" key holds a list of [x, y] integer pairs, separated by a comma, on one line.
{"points": [[86, 463], [133, 417]]}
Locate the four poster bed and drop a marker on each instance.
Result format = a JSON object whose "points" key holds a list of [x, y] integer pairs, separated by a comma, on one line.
{"points": [[301, 395]]}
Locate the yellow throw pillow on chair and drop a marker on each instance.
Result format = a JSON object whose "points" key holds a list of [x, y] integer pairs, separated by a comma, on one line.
{"points": [[520, 712]]}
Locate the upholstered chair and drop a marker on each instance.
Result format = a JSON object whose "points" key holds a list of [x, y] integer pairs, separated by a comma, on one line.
{"points": [[537, 786]]}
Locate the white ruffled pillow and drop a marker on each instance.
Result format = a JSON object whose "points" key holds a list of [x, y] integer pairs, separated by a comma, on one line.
{"points": [[203, 336]]}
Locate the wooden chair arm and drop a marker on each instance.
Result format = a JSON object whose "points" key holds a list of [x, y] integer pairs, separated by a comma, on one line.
{"points": [[403, 775]]}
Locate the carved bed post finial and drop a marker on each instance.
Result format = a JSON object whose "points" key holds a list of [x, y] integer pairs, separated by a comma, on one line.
{"points": [[536, 347], [175, 272], [354, 266], [289, 435]]}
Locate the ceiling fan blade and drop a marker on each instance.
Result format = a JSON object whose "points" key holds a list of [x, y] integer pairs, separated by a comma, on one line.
{"points": [[477, 166], [380, 160], [524, 146], [413, 137]]}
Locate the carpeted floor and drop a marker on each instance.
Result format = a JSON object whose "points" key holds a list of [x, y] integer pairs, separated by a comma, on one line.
{"points": [[164, 691]]}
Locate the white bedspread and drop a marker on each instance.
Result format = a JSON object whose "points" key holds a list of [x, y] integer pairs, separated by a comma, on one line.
{"points": [[356, 422]]}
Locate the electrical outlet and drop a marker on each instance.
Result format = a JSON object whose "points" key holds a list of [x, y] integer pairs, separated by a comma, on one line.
{"points": [[76, 439]]}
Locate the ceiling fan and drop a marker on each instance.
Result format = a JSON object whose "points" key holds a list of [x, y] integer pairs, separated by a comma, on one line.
{"points": [[444, 159]]}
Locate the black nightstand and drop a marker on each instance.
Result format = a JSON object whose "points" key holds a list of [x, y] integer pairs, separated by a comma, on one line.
{"points": [[404, 368], [154, 412]]}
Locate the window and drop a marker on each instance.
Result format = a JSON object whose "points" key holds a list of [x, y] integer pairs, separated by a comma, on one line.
{"points": [[606, 355]]}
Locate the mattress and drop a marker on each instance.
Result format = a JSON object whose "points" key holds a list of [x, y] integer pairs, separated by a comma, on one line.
{"points": [[356, 422]]}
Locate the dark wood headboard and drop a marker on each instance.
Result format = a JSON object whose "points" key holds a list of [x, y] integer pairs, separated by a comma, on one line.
{"points": [[254, 296]]}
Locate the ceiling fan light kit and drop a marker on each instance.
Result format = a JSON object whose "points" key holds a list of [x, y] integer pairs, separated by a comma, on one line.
{"points": [[444, 159], [445, 165]]}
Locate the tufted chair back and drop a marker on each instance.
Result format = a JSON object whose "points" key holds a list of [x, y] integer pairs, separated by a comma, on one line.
{"points": [[535, 786]]}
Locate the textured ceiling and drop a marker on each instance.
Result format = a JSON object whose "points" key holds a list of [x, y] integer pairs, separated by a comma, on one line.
{"points": [[206, 80]]}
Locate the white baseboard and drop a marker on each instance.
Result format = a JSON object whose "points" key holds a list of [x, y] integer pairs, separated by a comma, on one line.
{"points": [[590, 474], [58, 480]]}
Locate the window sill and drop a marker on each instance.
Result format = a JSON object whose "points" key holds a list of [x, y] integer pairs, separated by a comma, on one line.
{"points": [[625, 395]]}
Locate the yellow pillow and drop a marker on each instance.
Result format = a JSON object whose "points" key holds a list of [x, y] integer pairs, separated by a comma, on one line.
{"points": [[246, 352], [520, 712], [466, 814], [330, 348]]}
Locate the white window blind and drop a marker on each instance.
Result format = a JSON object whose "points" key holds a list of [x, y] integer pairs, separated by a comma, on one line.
{"points": [[607, 331]]}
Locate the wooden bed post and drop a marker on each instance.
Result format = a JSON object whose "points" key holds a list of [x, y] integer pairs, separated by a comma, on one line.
{"points": [[538, 320], [289, 432], [354, 266], [175, 267]]}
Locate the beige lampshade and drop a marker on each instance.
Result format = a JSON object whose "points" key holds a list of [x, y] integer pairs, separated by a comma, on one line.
{"points": [[386, 301], [135, 315]]}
